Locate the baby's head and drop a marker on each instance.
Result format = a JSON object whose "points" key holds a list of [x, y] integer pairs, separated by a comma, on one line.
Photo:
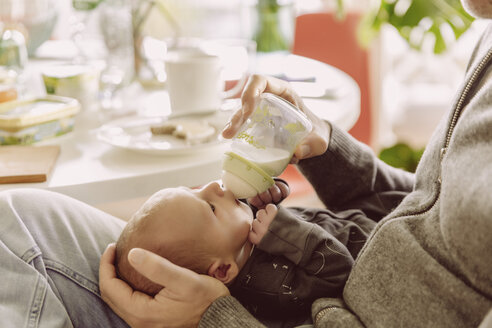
{"points": [[205, 230]]}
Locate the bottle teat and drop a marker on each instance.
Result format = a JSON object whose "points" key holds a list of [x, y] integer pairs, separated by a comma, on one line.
{"points": [[244, 178]]}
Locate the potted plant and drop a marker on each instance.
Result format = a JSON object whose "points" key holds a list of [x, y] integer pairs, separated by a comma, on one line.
{"points": [[422, 23], [430, 28]]}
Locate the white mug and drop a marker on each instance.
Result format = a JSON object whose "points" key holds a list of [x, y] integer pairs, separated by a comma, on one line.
{"points": [[195, 81]]}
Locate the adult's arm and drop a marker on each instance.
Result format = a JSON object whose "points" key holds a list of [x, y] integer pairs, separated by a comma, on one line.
{"points": [[186, 299], [349, 175], [345, 173]]}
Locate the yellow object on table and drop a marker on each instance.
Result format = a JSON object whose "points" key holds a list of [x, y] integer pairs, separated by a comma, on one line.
{"points": [[29, 121], [7, 93]]}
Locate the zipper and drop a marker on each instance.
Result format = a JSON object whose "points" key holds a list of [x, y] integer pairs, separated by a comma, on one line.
{"points": [[459, 107], [457, 112], [322, 313]]}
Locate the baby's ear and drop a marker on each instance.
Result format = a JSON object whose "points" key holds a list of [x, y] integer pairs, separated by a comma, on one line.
{"points": [[225, 271]]}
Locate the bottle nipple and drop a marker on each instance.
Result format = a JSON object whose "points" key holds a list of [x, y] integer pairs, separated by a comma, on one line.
{"points": [[244, 178], [240, 188]]}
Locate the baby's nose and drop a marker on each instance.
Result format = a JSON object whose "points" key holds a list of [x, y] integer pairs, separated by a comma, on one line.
{"points": [[215, 187]]}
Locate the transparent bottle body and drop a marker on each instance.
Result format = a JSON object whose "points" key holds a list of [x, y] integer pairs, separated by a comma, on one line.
{"points": [[267, 140]]}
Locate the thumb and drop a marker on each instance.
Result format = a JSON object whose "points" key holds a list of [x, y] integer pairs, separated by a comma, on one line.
{"points": [[312, 145]]}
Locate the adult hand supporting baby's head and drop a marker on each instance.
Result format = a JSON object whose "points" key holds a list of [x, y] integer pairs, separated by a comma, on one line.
{"points": [[181, 303], [314, 144]]}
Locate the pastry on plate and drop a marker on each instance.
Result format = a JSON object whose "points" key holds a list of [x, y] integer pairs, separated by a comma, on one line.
{"points": [[193, 132]]}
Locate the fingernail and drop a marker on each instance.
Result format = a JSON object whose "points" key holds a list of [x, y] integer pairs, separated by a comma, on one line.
{"points": [[227, 126], [304, 150], [136, 256]]}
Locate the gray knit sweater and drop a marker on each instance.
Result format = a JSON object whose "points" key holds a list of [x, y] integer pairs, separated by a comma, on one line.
{"points": [[428, 263]]}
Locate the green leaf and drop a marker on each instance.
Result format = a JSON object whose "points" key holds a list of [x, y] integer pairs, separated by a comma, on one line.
{"points": [[418, 20], [402, 156]]}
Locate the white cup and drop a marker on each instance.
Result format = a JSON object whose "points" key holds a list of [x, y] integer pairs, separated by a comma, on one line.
{"points": [[77, 81], [195, 81]]}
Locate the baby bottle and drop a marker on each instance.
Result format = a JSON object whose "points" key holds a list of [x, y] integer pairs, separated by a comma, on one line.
{"points": [[263, 146]]}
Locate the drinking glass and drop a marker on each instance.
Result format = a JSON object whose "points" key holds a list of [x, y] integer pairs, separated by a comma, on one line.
{"points": [[35, 19], [83, 9], [117, 31]]}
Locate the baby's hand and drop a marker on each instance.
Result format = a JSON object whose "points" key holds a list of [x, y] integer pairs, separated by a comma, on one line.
{"points": [[275, 194], [260, 225]]}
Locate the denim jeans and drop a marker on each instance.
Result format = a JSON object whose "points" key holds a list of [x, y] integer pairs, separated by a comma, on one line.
{"points": [[50, 247]]}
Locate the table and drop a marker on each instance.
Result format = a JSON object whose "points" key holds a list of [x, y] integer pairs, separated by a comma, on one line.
{"points": [[98, 173]]}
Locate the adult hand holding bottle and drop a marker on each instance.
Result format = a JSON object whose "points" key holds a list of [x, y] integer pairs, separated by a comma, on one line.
{"points": [[314, 144]]}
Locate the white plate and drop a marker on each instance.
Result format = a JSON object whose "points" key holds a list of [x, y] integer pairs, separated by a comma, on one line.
{"points": [[134, 133]]}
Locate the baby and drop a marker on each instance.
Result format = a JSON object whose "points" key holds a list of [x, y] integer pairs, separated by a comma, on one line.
{"points": [[205, 230], [275, 261]]}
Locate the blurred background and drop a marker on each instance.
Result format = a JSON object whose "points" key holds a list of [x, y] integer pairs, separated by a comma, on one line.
{"points": [[408, 56]]}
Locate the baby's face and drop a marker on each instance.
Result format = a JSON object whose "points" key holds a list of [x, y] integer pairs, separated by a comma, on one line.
{"points": [[209, 215]]}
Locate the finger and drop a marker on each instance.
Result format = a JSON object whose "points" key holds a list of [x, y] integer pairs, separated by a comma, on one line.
{"points": [[254, 88], [115, 292], [270, 213], [106, 267], [256, 202], [108, 281], [256, 85], [260, 214], [234, 124], [254, 238], [265, 197], [282, 89], [271, 210], [275, 193], [312, 145], [258, 228], [294, 160], [284, 190], [178, 281]]}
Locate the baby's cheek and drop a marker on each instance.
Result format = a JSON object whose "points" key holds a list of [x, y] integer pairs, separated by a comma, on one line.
{"points": [[244, 231]]}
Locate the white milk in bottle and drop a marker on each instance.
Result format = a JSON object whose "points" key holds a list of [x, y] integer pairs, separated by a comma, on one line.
{"points": [[263, 147]]}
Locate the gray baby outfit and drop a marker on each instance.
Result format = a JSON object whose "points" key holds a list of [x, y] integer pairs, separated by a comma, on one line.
{"points": [[305, 254]]}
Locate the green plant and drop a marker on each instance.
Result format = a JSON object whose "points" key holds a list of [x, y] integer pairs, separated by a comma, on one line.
{"points": [[420, 22], [85, 4], [268, 34], [402, 155]]}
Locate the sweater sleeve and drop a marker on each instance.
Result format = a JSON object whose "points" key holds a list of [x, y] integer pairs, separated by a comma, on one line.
{"points": [[349, 175], [227, 312]]}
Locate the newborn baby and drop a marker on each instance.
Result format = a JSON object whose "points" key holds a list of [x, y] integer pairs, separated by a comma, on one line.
{"points": [[277, 260], [205, 230]]}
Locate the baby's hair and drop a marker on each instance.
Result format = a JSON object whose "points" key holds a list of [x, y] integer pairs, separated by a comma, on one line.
{"points": [[189, 253]]}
